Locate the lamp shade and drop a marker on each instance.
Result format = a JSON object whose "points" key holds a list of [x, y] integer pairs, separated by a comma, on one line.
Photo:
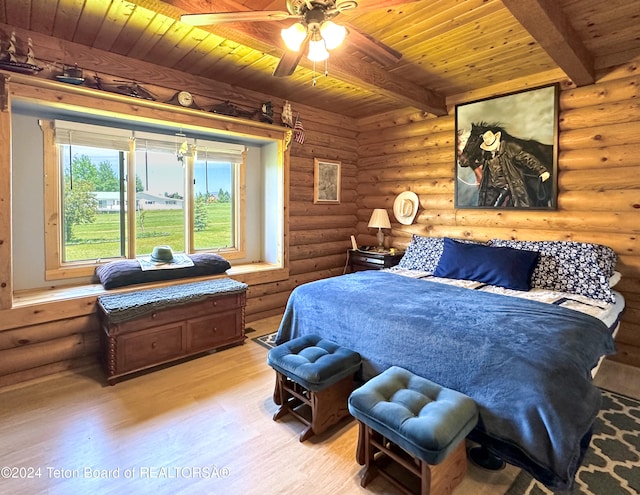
{"points": [[293, 36], [317, 50], [333, 34], [379, 219]]}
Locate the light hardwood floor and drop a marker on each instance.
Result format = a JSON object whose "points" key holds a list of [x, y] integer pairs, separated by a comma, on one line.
{"points": [[200, 427]]}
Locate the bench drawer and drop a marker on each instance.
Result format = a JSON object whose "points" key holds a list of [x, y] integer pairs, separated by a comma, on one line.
{"points": [[150, 347]]}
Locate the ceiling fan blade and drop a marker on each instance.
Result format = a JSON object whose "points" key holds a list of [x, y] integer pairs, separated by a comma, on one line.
{"points": [[373, 48], [290, 61], [367, 5], [241, 16], [287, 64]]}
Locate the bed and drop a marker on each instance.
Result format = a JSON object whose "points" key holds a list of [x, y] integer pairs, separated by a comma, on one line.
{"points": [[518, 326]]}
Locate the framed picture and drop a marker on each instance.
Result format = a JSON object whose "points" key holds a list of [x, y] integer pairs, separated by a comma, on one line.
{"points": [[506, 151], [326, 181]]}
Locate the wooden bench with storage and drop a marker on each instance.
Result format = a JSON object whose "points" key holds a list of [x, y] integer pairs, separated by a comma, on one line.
{"points": [[146, 328]]}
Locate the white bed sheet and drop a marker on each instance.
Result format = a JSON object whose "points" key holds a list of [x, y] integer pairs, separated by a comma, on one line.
{"points": [[608, 313]]}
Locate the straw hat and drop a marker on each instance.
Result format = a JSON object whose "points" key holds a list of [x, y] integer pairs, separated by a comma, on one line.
{"points": [[405, 207], [162, 254], [490, 141]]}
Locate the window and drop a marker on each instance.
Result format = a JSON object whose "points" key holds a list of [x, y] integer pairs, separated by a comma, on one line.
{"points": [[122, 192]]}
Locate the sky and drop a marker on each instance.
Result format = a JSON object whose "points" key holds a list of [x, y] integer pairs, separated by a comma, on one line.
{"points": [[165, 172]]}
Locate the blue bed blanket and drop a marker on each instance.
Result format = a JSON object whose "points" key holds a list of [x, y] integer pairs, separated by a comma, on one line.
{"points": [[526, 364]]}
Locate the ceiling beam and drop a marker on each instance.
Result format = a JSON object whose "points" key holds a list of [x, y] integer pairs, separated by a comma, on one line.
{"points": [[548, 25], [265, 37]]}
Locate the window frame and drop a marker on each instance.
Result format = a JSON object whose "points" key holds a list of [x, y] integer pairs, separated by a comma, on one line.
{"points": [[57, 269], [50, 95]]}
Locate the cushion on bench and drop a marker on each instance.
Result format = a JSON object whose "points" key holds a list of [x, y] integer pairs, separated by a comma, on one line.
{"points": [[129, 305], [128, 272], [313, 362], [422, 417]]}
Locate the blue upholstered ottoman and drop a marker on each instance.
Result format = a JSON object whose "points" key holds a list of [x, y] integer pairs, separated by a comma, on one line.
{"points": [[425, 420], [313, 372]]}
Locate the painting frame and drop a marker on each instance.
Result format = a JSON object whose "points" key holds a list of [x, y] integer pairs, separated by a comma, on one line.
{"points": [[326, 181], [511, 176]]}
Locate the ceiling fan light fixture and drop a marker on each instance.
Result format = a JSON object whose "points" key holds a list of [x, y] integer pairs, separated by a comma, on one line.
{"points": [[317, 50], [294, 35], [333, 34]]}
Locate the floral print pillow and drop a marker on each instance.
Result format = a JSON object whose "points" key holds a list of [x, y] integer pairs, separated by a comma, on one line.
{"points": [[567, 266]]}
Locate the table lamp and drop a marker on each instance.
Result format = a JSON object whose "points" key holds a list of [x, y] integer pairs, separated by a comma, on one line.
{"points": [[380, 220]]}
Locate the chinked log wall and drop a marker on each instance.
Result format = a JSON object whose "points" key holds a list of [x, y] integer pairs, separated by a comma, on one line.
{"points": [[44, 338], [598, 183]]}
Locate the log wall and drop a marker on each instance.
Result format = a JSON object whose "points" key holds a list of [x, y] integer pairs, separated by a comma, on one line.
{"points": [[598, 182], [53, 334]]}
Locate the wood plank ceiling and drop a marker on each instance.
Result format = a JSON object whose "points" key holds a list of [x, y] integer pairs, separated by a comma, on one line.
{"points": [[451, 48]]}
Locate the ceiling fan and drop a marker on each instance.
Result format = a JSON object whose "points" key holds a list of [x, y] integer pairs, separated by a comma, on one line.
{"points": [[315, 29]]}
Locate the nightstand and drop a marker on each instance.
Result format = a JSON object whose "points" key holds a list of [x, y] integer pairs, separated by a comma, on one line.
{"points": [[372, 260]]}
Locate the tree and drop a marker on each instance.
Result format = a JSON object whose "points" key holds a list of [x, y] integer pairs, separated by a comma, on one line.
{"points": [[83, 170], [223, 196], [106, 178], [80, 205], [200, 215]]}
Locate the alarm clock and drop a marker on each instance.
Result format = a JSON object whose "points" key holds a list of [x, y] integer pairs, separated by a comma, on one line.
{"points": [[184, 99]]}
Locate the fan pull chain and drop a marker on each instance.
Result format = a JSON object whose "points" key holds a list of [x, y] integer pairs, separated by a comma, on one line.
{"points": [[314, 79]]}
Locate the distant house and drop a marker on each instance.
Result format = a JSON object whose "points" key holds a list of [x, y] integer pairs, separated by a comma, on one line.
{"points": [[110, 202]]}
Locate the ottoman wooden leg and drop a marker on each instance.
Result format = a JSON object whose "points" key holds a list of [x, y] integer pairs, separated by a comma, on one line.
{"points": [[329, 406], [370, 469], [277, 390], [362, 445]]}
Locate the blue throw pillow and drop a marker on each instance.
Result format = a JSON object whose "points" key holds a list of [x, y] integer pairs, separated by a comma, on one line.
{"points": [[501, 266]]}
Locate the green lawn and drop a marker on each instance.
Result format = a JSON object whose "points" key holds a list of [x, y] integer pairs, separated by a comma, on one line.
{"points": [[101, 239]]}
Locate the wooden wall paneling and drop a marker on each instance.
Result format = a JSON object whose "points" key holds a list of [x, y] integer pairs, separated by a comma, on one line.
{"points": [[417, 158], [35, 355], [620, 87], [430, 193], [318, 264], [302, 237], [596, 137], [588, 180], [611, 156], [35, 334], [6, 284]]}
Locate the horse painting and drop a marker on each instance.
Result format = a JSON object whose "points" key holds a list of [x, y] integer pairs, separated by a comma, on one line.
{"points": [[518, 181]]}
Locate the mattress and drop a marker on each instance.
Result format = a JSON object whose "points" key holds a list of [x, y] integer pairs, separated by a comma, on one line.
{"points": [[609, 314]]}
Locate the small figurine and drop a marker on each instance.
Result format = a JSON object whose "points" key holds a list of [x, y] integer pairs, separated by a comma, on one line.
{"points": [[31, 58], [266, 112], [9, 59], [228, 108], [12, 49], [287, 116]]}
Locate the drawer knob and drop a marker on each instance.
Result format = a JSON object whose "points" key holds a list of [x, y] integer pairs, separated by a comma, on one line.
{"points": [[154, 315], [153, 345]]}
